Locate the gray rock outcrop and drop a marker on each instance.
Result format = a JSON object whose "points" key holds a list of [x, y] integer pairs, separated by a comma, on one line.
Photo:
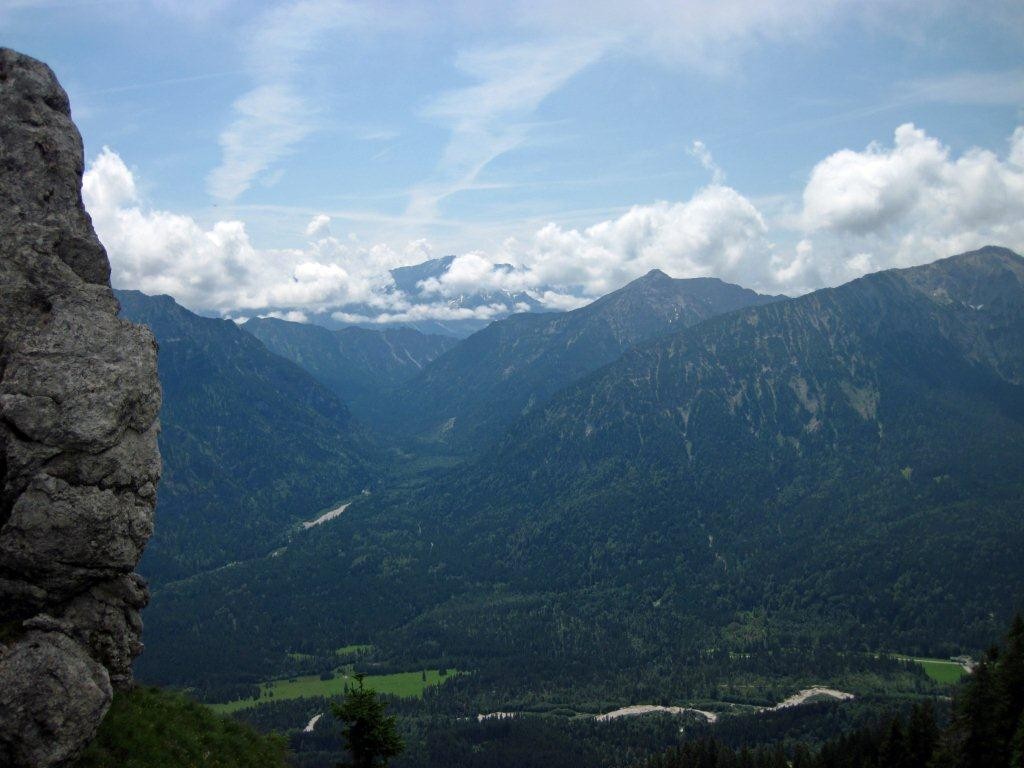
{"points": [[79, 400]]}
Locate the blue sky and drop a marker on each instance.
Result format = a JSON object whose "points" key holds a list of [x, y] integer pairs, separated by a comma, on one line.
{"points": [[251, 157]]}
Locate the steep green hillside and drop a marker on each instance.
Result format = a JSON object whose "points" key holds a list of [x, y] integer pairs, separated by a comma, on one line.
{"points": [[355, 363], [469, 395], [150, 728], [251, 443]]}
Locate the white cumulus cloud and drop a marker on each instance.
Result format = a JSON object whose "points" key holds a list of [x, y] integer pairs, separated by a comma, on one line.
{"points": [[217, 268], [860, 211], [911, 202], [292, 316], [717, 232]]}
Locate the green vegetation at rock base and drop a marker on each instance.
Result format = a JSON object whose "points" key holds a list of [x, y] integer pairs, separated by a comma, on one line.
{"points": [[149, 727]]}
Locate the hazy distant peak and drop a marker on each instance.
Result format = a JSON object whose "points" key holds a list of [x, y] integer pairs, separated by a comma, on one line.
{"points": [[989, 252], [653, 275], [406, 278], [985, 258]]}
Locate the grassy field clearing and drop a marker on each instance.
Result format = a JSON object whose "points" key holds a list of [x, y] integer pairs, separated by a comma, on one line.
{"points": [[353, 650], [939, 670], [407, 685]]}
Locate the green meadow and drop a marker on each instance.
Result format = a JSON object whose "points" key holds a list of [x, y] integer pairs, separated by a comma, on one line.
{"points": [[406, 685], [939, 670], [353, 650]]}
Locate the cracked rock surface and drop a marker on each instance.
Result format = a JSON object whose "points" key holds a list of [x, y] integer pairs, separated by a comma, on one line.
{"points": [[79, 400]]}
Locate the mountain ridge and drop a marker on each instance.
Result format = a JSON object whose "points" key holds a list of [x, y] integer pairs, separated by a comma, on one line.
{"points": [[877, 296], [515, 364]]}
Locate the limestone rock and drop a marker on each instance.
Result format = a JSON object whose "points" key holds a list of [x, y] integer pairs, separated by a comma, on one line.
{"points": [[79, 400], [55, 693]]}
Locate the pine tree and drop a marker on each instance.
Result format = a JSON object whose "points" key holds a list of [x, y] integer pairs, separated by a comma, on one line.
{"points": [[802, 757], [1010, 685], [370, 733], [778, 758], [971, 740], [893, 751], [922, 735], [1017, 747]]}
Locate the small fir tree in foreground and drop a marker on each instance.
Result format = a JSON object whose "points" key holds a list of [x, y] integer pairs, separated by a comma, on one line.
{"points": [[370, 733]]}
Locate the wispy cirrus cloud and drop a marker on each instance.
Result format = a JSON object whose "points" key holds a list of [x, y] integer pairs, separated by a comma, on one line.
{"points": [[699, 151], [270, 120], [999, 88], [276, 113], [492, 116], [707, 35]]}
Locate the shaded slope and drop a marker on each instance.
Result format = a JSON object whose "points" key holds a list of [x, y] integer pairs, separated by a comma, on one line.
{"points": [[355, 363], [470, 394], [250, 442]]}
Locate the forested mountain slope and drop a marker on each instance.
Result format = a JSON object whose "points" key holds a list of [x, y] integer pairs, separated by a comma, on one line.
{"points": [[849, 441], [250, 442], [838, 471], [860, 447], [469, 395], [355, 363], [864, 365]]}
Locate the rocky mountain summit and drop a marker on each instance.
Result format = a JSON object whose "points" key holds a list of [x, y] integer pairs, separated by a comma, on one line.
{"points": [[79, 405]]}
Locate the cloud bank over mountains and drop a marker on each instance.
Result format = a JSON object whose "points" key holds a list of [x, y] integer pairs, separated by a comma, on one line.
{"points": [[886, 205]]}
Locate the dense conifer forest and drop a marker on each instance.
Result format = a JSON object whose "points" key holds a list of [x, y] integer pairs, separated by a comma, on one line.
{"points": [[985, 729]]}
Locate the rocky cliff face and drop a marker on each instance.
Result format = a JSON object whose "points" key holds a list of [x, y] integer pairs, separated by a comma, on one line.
{"points": [[79, 400]]}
